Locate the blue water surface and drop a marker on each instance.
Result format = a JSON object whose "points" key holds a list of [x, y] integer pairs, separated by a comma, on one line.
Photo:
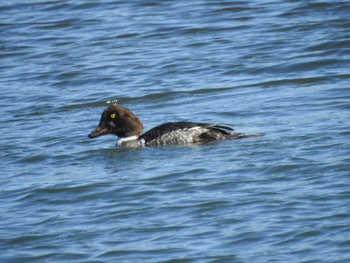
{"points": [[280, 68]]}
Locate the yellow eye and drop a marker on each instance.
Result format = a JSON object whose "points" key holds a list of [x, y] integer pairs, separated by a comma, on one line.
{"points": [[113, 116]]}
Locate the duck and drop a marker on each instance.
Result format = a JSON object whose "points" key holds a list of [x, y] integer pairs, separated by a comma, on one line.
{"points": [[122, 122]]}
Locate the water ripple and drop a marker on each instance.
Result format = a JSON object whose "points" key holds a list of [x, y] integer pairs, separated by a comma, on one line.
{"points": [[281, 71]]}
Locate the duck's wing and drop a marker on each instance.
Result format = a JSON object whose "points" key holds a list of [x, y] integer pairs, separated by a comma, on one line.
{"points": [[182, 132]]}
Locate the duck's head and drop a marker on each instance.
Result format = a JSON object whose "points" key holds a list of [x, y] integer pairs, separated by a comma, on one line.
{"points": [[119, 121]]}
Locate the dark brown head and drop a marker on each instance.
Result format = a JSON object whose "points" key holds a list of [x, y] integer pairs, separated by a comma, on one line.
{"points": [[119, 121]]}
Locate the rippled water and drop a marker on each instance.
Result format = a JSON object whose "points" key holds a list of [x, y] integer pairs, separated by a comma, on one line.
{"points": [[276, 67]]}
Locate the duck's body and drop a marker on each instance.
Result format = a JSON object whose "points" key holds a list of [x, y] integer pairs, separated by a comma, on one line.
{"points": [[122, 122]]}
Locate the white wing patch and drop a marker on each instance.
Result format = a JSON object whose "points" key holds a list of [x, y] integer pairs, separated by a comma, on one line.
{"points": [[179, 137]]}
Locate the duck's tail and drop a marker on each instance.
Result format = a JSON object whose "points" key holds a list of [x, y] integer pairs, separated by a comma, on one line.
{"points": [[229, 134]]}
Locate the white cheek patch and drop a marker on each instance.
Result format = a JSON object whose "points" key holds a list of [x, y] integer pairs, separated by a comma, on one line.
{"points": [[112, 124]]}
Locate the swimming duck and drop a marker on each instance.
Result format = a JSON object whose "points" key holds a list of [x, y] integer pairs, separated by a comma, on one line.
{"points": [[122, 122]]}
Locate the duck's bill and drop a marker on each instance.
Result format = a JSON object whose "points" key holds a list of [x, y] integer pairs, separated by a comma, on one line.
{"points": [[99, 131]]}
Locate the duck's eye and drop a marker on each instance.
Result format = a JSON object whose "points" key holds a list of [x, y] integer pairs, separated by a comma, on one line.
{"points": [[113, 116]]}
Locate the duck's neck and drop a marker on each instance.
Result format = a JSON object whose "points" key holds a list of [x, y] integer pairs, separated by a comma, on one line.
{"points": [[130, 142]]}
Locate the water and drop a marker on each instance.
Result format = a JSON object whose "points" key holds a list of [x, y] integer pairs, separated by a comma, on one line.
{"points": [[276, 67]]}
